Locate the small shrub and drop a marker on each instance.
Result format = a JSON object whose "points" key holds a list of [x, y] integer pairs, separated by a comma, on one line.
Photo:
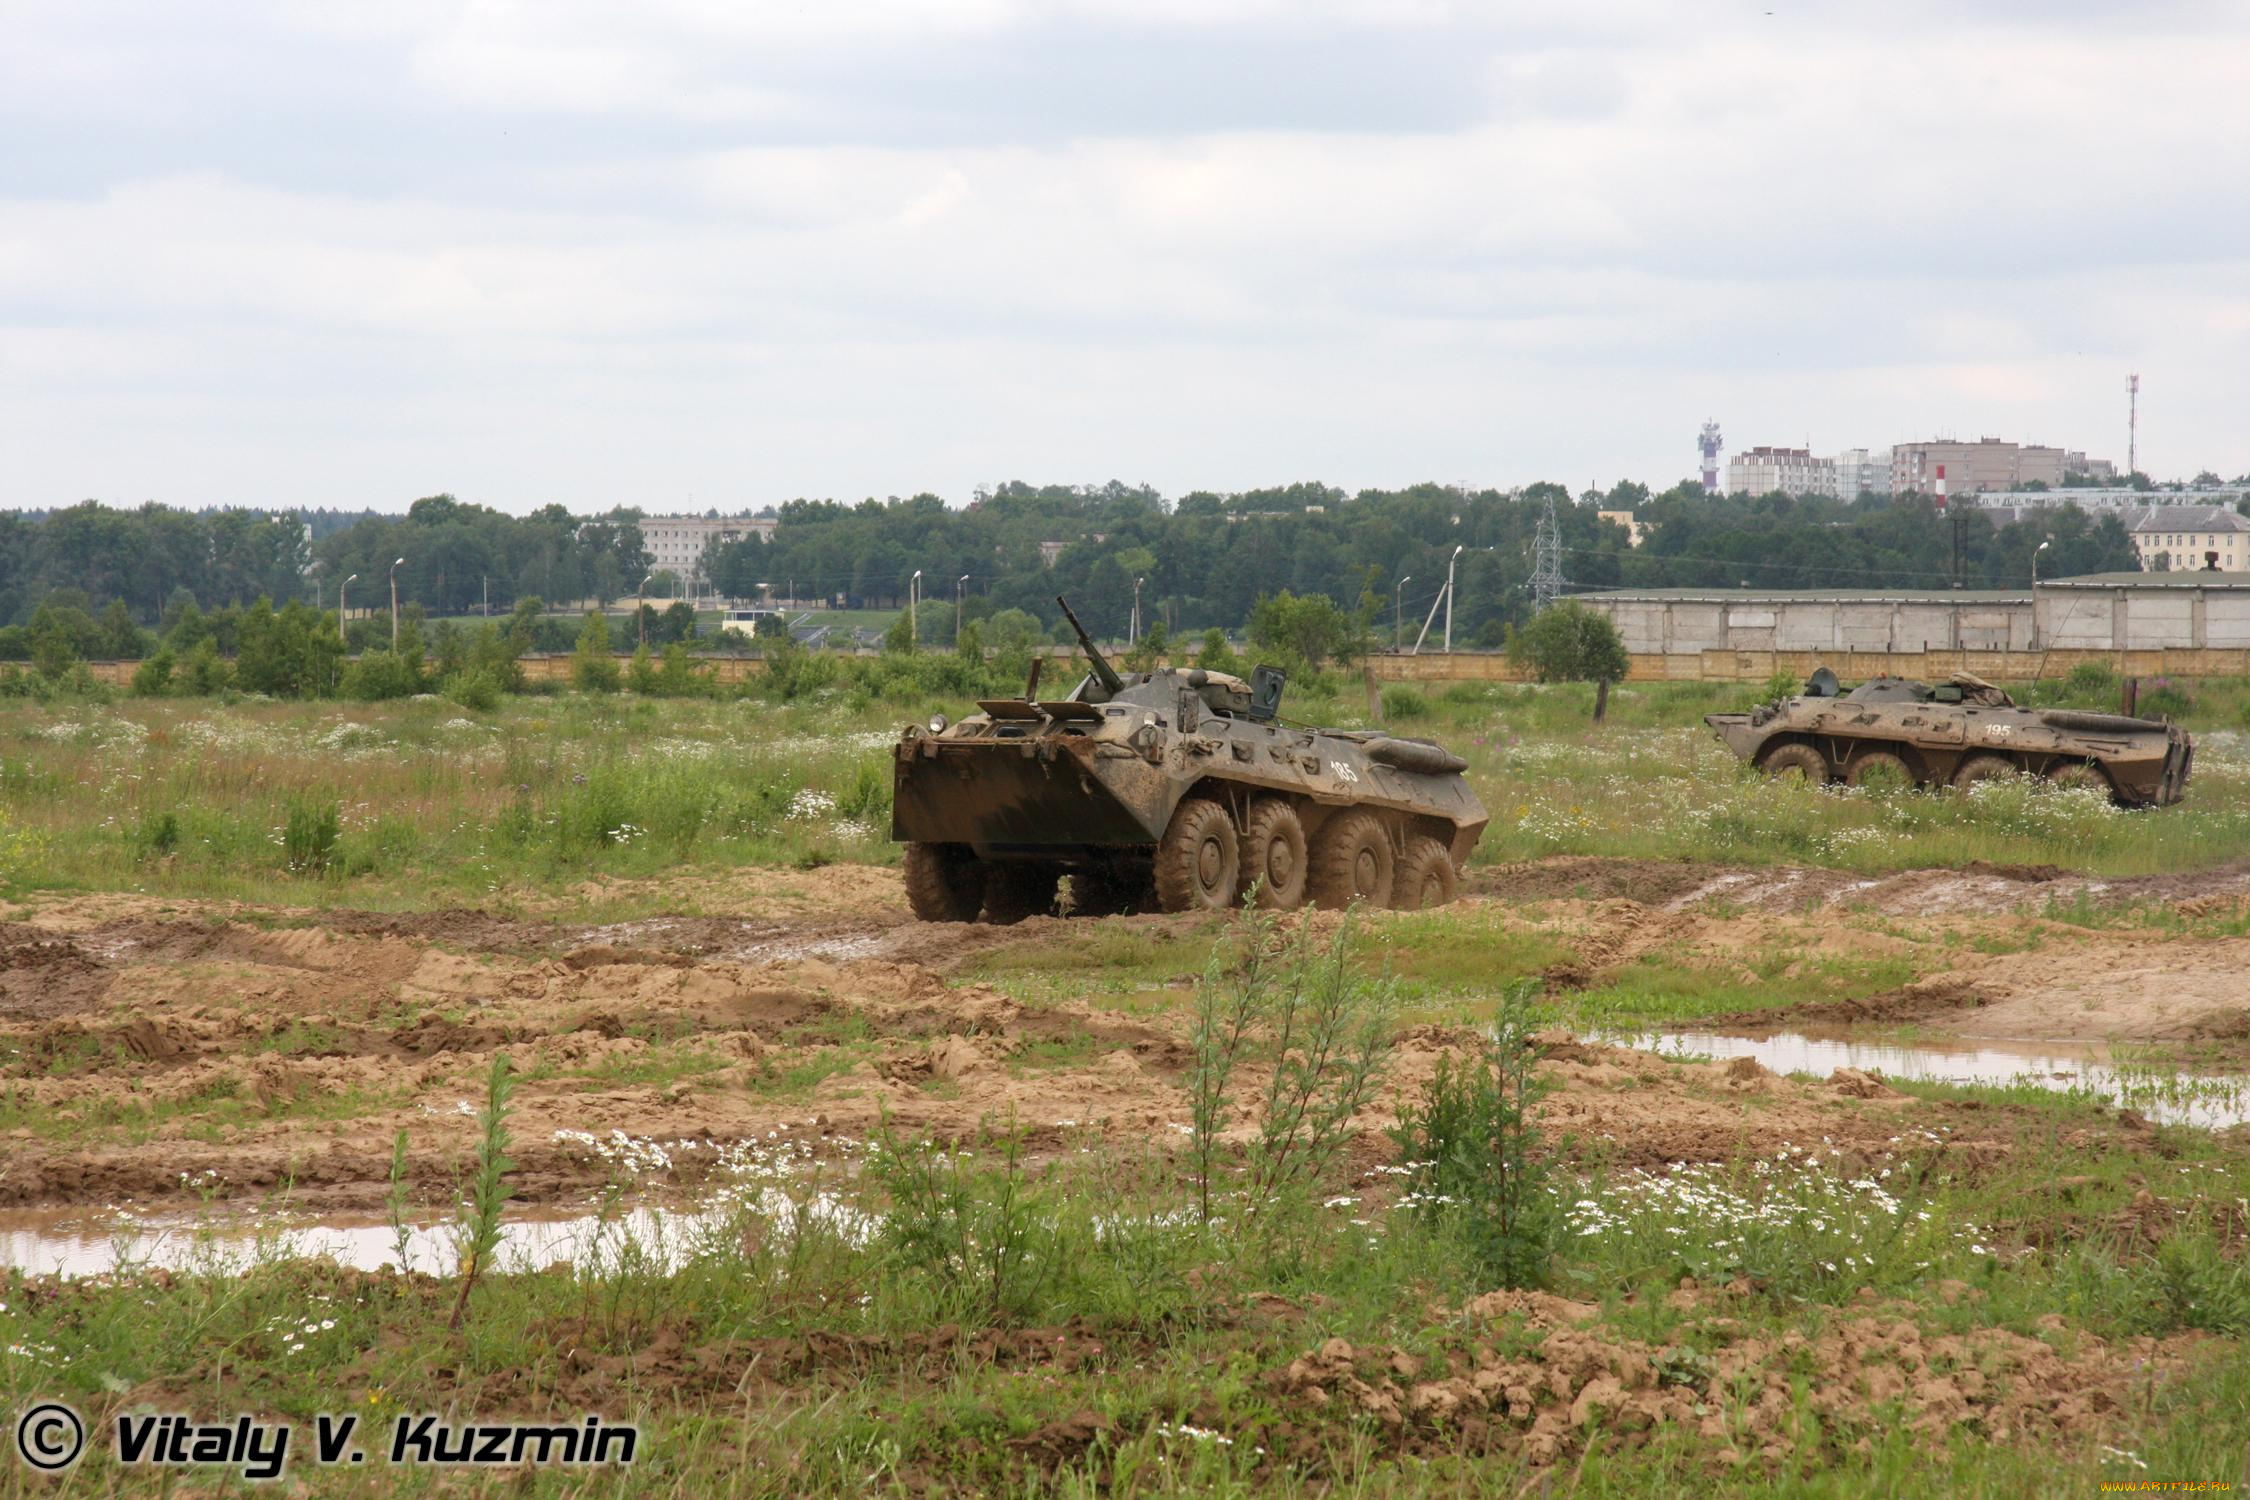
{"points": [[592, 668], [153, 677], [1473, 1152], [308, 837], [474, 690], [984, 1233], [476, 1234], [2164, 698], [158, 835], [1401, 702]]}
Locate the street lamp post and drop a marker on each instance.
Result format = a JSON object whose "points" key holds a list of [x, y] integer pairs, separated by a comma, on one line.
{"points": [[1398, 612], [960, 597], [2043, 546], [395, 565], [342, 612], [1136, 640], [1449, 562], [913, 611], [640, 606]]}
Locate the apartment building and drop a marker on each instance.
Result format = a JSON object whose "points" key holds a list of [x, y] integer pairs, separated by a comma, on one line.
{"points": [[675, 543], [2190, 538], [1793, 471]]}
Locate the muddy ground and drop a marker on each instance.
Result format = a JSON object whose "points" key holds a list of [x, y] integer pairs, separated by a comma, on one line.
{"points": [[159, 1053]]}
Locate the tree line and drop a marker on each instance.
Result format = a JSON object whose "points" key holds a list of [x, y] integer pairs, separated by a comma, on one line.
{"points": [[1200, 562]]}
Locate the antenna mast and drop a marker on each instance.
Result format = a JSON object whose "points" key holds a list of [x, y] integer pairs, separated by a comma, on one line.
{"points": [[1708, 443], [2132, 426], [1546, 559]]}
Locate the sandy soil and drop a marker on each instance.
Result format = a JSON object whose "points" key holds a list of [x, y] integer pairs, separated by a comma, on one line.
{"points": [[278, 1047]]}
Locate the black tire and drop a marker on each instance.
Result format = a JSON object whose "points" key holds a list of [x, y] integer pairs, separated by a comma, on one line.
{"points": [[1799, 760], [1983, 768], [1426, 876], [1880, 768], [944, 882], [2080, 773], [1111, 891], [1013, 892], [1351, 861], [1273, 855], [1199, 859]]}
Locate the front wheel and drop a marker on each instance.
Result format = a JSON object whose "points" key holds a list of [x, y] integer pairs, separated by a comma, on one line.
{"points": [[1426, 876], [1273, 855], [1796, 762], [1199, 859], [944, 882], [1984, 768]]}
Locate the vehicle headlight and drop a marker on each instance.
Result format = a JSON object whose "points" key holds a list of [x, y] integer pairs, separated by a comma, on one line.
{"points": [[938, 723]]}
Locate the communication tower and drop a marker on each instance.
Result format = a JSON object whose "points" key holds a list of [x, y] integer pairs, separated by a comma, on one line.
{"points": [[1546, 559], [2132, 426], [1709, 444]]}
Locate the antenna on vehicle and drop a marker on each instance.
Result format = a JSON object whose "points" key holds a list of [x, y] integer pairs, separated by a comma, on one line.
{"points": [[1031, 683]]}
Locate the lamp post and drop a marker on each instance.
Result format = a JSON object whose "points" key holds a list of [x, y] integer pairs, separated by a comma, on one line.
{"points": [[1398, 613], [342, 613], [2043, 546], [1136, 640], [913, 611], [960, 596], [394, 601], [1449, 562], [640, 606]]}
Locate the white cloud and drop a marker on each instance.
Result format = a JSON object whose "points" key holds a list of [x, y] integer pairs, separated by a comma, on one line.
{"points": [[565, 251]]}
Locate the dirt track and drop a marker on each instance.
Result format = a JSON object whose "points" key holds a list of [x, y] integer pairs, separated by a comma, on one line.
{"points": [[152, 1042]]}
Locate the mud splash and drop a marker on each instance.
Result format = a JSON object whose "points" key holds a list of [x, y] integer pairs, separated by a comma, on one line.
{"points": [[2157, 1093]]}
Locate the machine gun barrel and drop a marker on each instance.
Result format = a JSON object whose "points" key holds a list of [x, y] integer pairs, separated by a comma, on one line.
{"points": [[1104, 673]]}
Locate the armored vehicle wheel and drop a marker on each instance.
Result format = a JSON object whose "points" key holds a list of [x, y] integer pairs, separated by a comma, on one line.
{"points": [[1199, 860], [1983, 768], [1109, 892], [1351, 861], [1801, 761], [1015, 891], [2080, 774], [1880, 770], [1426, 876], [944, 882], [1273, 855]]}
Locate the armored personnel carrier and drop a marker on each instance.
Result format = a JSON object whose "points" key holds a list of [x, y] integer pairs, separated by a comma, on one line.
{"points": [[1182, 790], [1958, 733]]}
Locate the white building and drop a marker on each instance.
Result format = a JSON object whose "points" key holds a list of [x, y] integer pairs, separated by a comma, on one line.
{"points": [[1793, 471], [2190, 538], [1862, 470], [675, 543]]}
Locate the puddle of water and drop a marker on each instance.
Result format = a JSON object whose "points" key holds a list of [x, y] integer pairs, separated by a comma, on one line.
{"points": [[2159, 1094], [53, 1244]]}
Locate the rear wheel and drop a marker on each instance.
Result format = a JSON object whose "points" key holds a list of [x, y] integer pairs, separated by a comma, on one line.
{"points": [[1983, 768], [1880, 771], [1796, 762], [1426, 876], [1351, 862], [1013, 892], [944, 882], [1273, 855], [1199, 859]]}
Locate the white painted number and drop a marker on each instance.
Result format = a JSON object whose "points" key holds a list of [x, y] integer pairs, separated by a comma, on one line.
{"points": [[1343, 772]]}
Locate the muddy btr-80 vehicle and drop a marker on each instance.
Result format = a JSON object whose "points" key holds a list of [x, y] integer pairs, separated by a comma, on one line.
{"points": [[1956, 734], [1176, 789]]}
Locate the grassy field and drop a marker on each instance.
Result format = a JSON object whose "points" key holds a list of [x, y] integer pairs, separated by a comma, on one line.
{"points": [[195, 797], [1040, 1223]]}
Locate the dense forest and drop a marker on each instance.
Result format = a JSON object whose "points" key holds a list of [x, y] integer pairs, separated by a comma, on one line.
{"points": [[1201, 561]]}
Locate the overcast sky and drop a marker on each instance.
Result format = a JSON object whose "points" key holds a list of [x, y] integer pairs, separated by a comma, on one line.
{"points": [[725, 252]]}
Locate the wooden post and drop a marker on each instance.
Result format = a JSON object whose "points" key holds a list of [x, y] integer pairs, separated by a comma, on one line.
{"points": [[2132, 697], [1374, 694], [1601, 700]]}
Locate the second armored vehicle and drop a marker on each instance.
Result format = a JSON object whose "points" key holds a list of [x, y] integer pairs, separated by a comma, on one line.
{"points": [[1179, 789], [1958, 733]]}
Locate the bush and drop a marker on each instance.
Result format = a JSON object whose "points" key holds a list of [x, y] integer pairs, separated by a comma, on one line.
{"points": [[592, 668], [158, 835], [2164, 698], [640, 672], [1473, 1152], [1401, 702], [380, 674], [1568, 642], [205, 672], [153, 677], [474, 690], [308, 837]]}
